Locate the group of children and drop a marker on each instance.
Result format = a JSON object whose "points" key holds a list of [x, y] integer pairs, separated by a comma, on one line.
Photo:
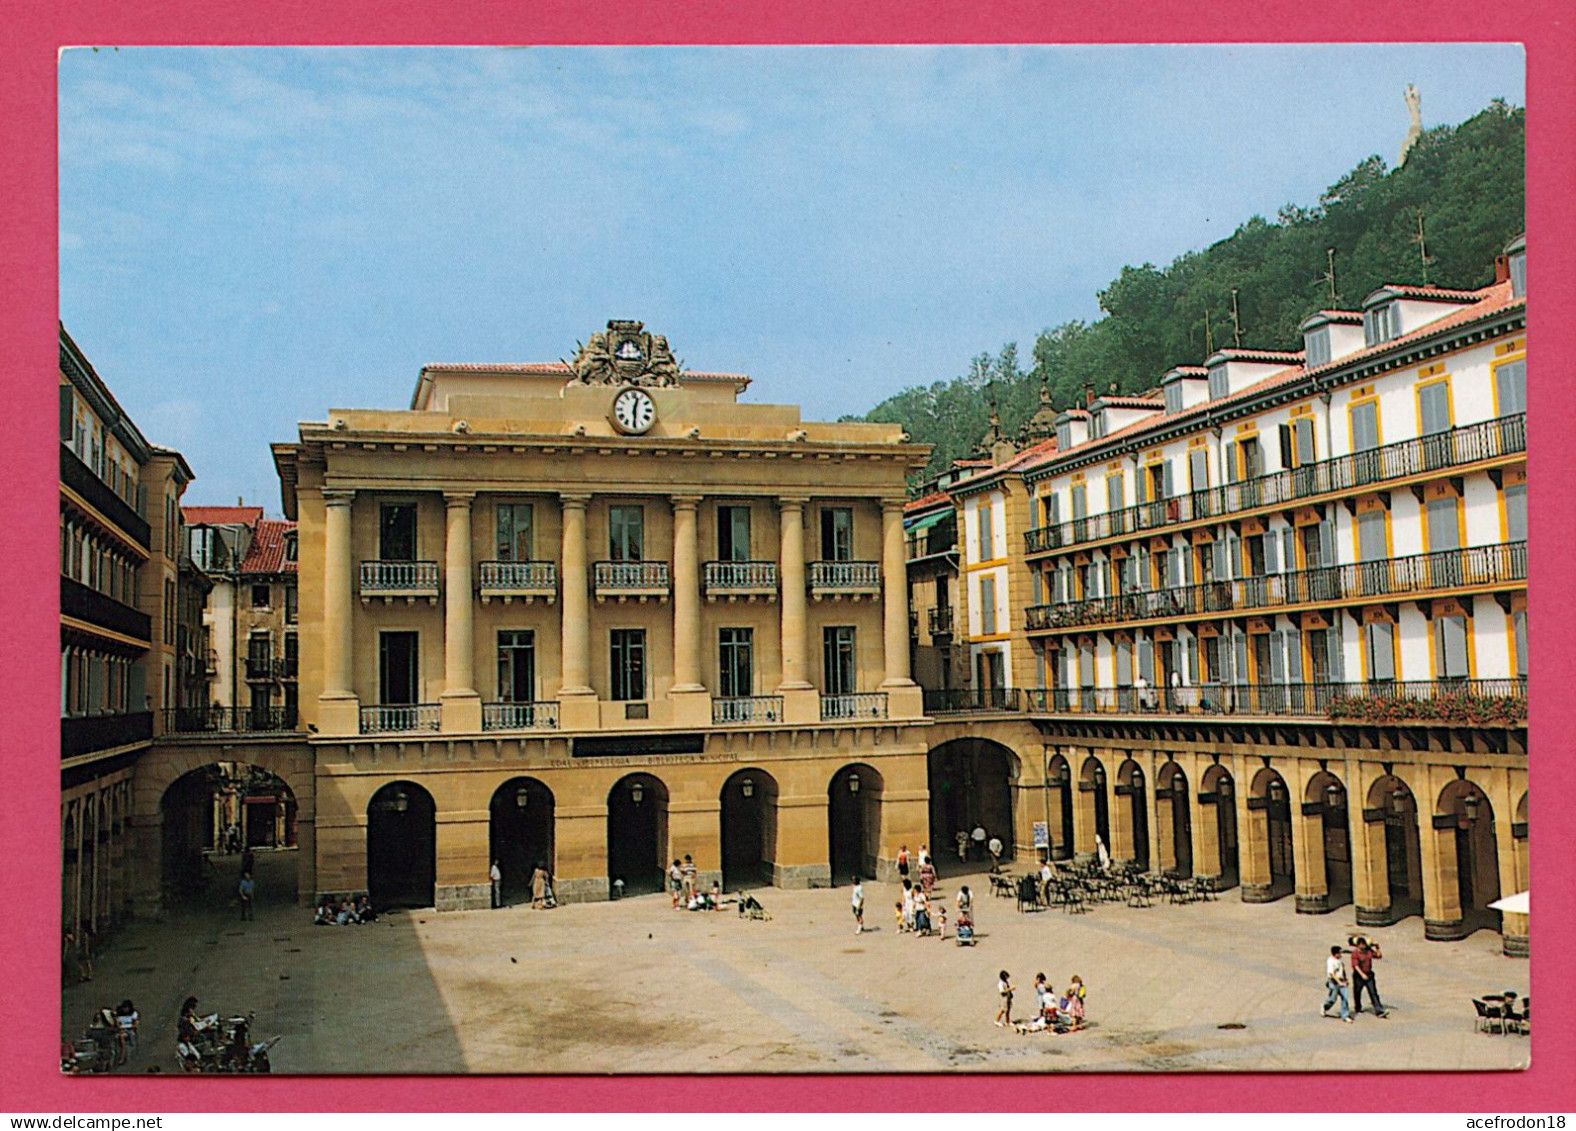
{"points": [[1062, 1014], [344, 911]]}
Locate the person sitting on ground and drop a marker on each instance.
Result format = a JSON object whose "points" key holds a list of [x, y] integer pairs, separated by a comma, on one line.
{"points": [[715, 898], [126, 1018], [364, 911], [1071, 1006], [323, 916]]}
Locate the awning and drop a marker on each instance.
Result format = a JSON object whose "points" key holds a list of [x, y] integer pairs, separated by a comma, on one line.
{"points": [[928, 521], [1515, 904]]}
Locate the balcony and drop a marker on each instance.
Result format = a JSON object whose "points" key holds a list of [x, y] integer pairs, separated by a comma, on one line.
{"points": [[1473, 702], [624, 581], [85, 734], [972, 700], [740, 580], [941, 620], [526, 580], [82, 603], [1473, 443], [400, 718], [264, 668], [748, 709], [229, 720], [97, 494], [1499, 566], [391, 580], [520, 716], [845, 579], [859, 705]]}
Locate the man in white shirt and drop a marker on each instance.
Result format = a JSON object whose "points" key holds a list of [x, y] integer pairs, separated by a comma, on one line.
{"points": [[1045, 882], [496, 875], [859, 906], [978, 837], [1335, 985]]}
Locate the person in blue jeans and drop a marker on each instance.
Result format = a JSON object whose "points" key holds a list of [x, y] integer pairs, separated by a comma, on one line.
{"points": [[1335, 985]]}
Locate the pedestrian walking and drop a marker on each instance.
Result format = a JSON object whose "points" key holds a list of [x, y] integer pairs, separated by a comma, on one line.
{"points": [[1004, 991], [921, 913], [978, 837], [965, 902], [495, 874], [859, 906], [961, 839], [248, 861], [246, 888], [1102, 853], [908, 906], [1335, 985], [1363, 955], [995, 853], [539, 887], [902, 862], [924, 855], [675, 882]]}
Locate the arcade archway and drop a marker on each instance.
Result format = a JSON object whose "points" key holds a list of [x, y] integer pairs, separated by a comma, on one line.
{"points": [[1174, 820], [1059, 807], [1131, 784], [219, 810], [520, 834], [854, 822], [637, 833], [1395, 852], [1094, 800], [1324, 807], [749, 829], [1468, 845], [402, 847], [1217, 809], [970, 781], [1269, 811]]}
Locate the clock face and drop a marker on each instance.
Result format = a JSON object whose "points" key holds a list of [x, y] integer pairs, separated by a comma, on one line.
{"points": [[634, 411]]}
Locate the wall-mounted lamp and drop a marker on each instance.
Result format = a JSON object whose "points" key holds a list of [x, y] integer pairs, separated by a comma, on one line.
{"points": [[636, 792], [747, 787], [853, 783], [1469, 805], [521, 797]]}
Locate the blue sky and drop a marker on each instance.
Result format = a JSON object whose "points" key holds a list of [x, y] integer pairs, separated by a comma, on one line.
{"points": [[249, 237]]}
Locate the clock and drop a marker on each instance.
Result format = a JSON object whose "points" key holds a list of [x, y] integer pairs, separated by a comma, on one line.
{"points": [[634, 411]]}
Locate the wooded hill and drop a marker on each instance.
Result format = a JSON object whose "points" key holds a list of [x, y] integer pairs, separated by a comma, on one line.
{"points": [[1467, 181]]}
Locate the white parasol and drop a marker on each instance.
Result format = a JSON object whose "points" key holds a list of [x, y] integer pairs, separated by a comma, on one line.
{"points": [[1515, 904]]}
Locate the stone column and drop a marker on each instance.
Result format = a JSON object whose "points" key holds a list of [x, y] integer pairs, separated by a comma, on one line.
{"points": [[692, 706], [578, 711], [1307, 843], [338, 707], [800, 701], [460, 702], [904, 698]]}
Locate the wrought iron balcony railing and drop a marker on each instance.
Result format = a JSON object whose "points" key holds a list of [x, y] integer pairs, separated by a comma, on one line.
{"points": [[846, 576], [968, 700], [399, 578], [1467, 701], [1503, 563], [395, 718], [859, 705], [84, 734], [229, 720], [724, 578], [1471, 443], [747, 709], [520, 716], [941, 620]]}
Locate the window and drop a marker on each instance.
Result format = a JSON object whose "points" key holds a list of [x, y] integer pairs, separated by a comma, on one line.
{"points": [[1086, 665], [1115, 494], [1297, 443], [1198, 469], [1214, 661], [733, 534], [735, 654], [626, 536], [1174, 398], [1444, 533], [1515, 512], [1450, 647], [1316, 347], [292, 655], [1518, 640], [1510, 387], [260, 596], [1097, 425], [987, 532], [1518, 275], [1381, 324], [1373, 543], [514, 528], [1064, 436], [1219, 386], [1365, 425], [1080, 494], [987, 606], [169, 611], [1433, 407], [1124, 664], [292, 603], [516, 666], [258, 653], [397, 532], [290, 547], [628, 663], [837, 648], [1052, 508], [1252, 457], [837, 534], [397, 667]]}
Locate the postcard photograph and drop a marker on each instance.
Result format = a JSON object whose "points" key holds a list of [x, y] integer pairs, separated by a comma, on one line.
{"points": [[700, 560]]}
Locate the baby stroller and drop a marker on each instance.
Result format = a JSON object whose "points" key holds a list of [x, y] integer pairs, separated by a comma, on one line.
{"points": [[965, 929], [750, 908]]}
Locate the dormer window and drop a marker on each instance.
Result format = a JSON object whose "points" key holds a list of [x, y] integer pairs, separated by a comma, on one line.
{"points": [[290, 547], [1064, 436], [1173, 398], [1097, 425], [1518, 274], [1381, 324], [1218, 384], [1316, 347]]}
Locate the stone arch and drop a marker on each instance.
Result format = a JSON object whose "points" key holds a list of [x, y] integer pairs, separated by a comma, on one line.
{"points": [[1395, 853], [637, 833], [971, 784], [1327, 832], [1271, 871], [748, 828], [1467, 848], [1060, 788], [402, 846], [854, 821], [1094, 803], [1131, 830], [1217, 805], [1174, 820], [520, 818]]}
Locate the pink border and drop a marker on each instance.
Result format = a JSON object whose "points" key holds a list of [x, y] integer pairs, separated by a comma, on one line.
{"points": [[28, 288]]}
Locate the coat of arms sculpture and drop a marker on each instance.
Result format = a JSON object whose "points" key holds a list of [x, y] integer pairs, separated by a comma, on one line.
{"points": [[625, 354]]}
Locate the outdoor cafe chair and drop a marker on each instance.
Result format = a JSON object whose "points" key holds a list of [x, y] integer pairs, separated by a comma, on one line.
{"points": [[1488, 1016]]}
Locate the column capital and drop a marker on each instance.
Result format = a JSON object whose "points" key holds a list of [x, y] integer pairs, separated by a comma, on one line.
{"points": [[793, 502], [685, 502], [575, 501], [338, 496], [459, 498], [890, 505]]}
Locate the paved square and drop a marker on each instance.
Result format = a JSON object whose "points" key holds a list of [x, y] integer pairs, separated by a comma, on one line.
{"points": [[633, 986]]}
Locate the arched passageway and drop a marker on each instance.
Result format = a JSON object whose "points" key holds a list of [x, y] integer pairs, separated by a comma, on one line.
{"points": [[1467, 845], [637, 833], [219, 810], [1269, 811], [970, 782], [402, 846], [1131, 784], [1324, 807], [1174, 820], [1059, 807], [1217, 805], [1095, 799], [1395, 853], [854, 822], [749, 829], [520, 834]]}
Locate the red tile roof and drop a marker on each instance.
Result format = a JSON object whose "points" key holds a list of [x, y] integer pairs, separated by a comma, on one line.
{"points": [[1131, 402], [267, 552], [1231, 353], [1438, 294], [221, 516], [927, 500]]}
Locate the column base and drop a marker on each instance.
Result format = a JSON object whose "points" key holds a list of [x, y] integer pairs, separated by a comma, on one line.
{"points": [[801, 876], [461, 712], [1259, 893], [338, 714], [579, 710], [1314, 904], [462, 897], [1375, 916], [588, 889], [1445, 930], [800, 704], [886, 871]]}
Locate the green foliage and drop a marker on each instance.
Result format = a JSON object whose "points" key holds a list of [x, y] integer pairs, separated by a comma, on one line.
{"points": [[1468, 181]]}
